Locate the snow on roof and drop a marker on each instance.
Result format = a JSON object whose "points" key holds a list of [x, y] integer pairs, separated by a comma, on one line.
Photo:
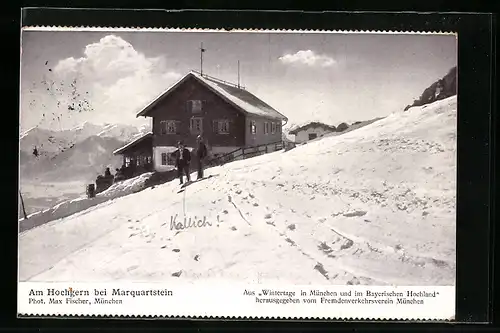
{"points": [[132, 143], [311, 124], [239, 97]]}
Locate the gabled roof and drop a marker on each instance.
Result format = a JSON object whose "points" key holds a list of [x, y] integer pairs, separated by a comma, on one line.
{"points": [[238, 97], [312, 124], [133, 143]]}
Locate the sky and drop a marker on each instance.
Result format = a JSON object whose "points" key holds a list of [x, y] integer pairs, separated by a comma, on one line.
{"points": [[69, 77]]}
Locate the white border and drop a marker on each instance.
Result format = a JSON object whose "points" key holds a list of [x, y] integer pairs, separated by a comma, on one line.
{"points": [[227, 299], [275, 31]]}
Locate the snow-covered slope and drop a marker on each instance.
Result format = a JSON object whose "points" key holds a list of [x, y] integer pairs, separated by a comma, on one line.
{"points": [[372, 206], [82, 203]]}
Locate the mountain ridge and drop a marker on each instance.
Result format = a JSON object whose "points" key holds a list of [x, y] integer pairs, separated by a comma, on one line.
{"points": [[76, 153]]}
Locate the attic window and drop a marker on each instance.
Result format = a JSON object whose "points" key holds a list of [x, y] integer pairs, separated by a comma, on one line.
{"points": [[194, 106]]}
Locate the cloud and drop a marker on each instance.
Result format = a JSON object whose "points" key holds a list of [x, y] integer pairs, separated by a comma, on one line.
{"points": [[308, 58], [112, 80]]}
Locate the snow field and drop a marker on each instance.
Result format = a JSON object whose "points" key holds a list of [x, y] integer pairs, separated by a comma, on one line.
{"points": [[372, 206]]}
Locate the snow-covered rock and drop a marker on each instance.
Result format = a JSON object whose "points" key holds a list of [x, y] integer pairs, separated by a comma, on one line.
{"points": [[372, 206]]}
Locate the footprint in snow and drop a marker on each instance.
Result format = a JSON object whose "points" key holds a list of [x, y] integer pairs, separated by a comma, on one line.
{"points": [[176, 250], [356, 213], [347, 244], [255, 204], [291, 227], [177, 274], [319, 267], [197, 257], [268, 216], [233, 228], [131, 268]]}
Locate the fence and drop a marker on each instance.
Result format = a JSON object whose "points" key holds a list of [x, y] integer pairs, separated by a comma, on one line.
{"points": [[246, 152]]}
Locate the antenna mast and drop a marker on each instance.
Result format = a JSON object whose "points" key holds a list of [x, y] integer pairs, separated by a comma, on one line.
{"points": [[201, 58], [238, 74]]}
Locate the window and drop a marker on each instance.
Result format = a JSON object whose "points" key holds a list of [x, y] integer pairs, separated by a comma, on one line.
{"points": [[273, 127], [168, 126], [266, 127], [253, 128], [312, 136], [221, 126], [194, 106], [127, 162], [163, 158], [196, 125]]}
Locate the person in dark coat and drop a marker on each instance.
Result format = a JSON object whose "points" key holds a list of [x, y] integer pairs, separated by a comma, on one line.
{"points": [[201, 154], [182, 160], [107, 173]]}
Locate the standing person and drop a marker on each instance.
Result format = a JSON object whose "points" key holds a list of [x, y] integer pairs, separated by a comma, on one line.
{"points": [[201, 153], [182, 160]]}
